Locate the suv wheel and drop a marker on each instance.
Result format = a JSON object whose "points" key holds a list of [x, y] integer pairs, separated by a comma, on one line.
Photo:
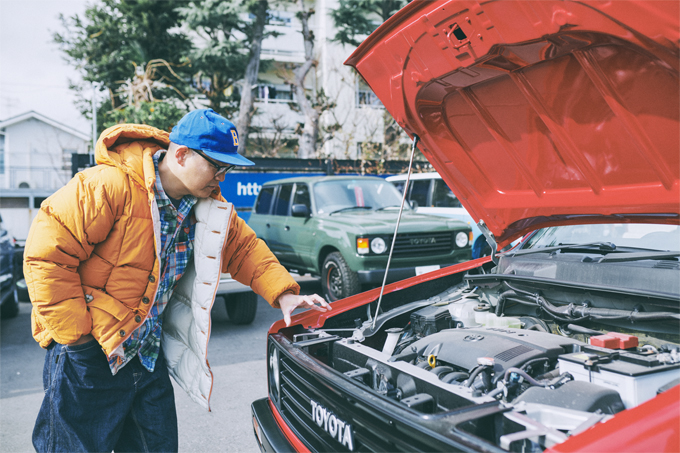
{"points": [[337, 279], [241, 307]]}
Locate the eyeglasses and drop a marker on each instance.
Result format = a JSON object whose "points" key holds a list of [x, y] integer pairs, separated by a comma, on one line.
{"points": [[218, 169]]}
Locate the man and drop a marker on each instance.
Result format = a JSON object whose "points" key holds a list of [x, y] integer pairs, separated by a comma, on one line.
{"points": [[122, 266]]}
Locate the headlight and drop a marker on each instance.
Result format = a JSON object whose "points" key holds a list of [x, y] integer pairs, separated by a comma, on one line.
{"points": [[362, 246], [461, 239], [274, 376], [378, 246]]}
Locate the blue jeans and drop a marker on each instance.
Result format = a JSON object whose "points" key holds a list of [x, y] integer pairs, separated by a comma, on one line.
{"points": [[86, 408]]}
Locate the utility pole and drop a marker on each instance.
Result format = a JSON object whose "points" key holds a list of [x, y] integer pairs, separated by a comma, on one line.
{"points": [[94, 122]]}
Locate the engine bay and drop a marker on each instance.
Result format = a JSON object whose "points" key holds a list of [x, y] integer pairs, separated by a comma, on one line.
{"points": [[558, 355]]}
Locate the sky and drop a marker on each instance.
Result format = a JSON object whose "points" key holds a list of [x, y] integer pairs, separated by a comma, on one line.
{"points": [[33, 73]]}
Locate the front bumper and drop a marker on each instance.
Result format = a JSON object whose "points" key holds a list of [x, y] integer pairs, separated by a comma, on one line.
{"points": [[375, 276], [269, 436]]}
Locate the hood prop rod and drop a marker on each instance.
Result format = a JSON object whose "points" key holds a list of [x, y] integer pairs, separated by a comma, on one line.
{"points": [[396, 228], [490, 239]]}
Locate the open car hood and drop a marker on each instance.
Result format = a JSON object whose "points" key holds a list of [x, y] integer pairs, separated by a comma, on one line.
{"points": [[538, 113]]}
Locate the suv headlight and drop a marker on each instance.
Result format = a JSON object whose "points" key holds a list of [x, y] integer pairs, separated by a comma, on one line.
{"points": [[378, 246], [362, 246], [274, 375], [461, 239]]}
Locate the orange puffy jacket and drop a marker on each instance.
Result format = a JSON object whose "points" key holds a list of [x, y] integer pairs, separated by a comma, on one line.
{"points": [[91, 259]]}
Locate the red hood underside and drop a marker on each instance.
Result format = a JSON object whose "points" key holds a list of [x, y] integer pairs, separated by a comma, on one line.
{"points": [[539, 113]]}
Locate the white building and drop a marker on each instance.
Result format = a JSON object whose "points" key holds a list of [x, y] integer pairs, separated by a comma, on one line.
{"points": [[35, 161], [357, 112]]}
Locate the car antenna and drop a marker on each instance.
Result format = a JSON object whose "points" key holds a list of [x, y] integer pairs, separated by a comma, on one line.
{"points": [[396, 228]]}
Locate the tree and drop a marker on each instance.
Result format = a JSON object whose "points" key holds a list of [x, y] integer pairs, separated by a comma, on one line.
{"points": [[355, 19], [113, 38], [311, 102], [259, 8], [141, 107], [221, 61]]}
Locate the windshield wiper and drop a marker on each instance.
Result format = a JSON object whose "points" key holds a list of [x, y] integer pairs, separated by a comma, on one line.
{"points": [[638, 256], [593, 247], [349, 208], [387, 207]]}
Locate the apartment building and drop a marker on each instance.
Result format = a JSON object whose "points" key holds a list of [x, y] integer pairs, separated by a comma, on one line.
{"points": [[357, 115]]}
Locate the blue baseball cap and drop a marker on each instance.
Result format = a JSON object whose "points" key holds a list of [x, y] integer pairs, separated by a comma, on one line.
{"points": [[214, 135]]}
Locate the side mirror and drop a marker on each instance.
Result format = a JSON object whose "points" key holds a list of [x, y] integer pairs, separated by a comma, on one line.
{"points": [[414, 204], [299, 210]]}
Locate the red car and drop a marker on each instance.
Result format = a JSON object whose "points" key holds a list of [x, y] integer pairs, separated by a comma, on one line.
{"points": [[555, 121]]}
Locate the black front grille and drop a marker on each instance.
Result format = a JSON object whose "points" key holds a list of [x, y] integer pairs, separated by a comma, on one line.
{"points": [[372, 431], [415, 244]]}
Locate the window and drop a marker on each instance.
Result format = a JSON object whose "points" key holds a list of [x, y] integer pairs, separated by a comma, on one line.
{"points": [[264, 201], [280, 18], [302, 196], [420, 189], [283, 199], [274, 93], [399, 185], [366, 96], [13, 202], [37, 201], [443, 197], [345, 194]]}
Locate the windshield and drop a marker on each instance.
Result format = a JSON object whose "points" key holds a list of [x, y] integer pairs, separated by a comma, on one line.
{"points": [[642, 236], [345, 194]]}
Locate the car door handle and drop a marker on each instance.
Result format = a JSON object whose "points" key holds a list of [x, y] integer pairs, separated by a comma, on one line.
{"points": [[286, 228]]}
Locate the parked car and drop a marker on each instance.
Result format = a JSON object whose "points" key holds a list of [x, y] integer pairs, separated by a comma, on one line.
{"points": [[341, 228], [239, 300], [554, 120], [429, 194], [9, 298]]}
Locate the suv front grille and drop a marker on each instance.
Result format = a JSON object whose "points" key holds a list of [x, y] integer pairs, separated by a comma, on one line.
{"points": [[420, 244], [373, 431]]}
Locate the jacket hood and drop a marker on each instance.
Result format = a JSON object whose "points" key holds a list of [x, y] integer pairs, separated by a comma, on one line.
{"points": [[538, 113], [130, 147]]}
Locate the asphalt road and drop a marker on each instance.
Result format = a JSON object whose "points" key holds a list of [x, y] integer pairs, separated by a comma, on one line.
{"points": [[236, 355]]}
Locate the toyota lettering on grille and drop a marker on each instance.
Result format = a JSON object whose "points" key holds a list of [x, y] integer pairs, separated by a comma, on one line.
{"points": [[338, 429], [423, 241]]}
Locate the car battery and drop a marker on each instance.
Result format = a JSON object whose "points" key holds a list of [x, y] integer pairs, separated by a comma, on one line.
{"points": [[635, 375]]}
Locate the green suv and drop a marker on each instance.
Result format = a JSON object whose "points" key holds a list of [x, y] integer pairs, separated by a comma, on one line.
{"points": [[341, 228]]}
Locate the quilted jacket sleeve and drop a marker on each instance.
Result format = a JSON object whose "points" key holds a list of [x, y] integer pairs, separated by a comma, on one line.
{"points": [[68, 226], [249, 261]]}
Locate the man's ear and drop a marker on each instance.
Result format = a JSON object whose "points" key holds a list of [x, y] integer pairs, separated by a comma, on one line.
{"points": [[181, 154]]}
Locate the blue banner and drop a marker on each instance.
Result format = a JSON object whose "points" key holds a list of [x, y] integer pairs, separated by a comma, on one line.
{"points": [[241, 189]]}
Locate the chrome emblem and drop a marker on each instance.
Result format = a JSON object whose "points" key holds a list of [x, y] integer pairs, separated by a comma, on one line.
{"points": [[473, 337], [423, 241], [338, 429]]}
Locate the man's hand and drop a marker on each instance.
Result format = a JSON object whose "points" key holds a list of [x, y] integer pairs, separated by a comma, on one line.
{"points": [[289, 302]]}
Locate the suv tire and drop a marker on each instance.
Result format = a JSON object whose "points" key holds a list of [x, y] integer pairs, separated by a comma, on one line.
{"points": [[241, 307], [337, 279]]}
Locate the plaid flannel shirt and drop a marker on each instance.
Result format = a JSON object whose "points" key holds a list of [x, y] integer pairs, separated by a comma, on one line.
{"points": [[177, 245]]}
